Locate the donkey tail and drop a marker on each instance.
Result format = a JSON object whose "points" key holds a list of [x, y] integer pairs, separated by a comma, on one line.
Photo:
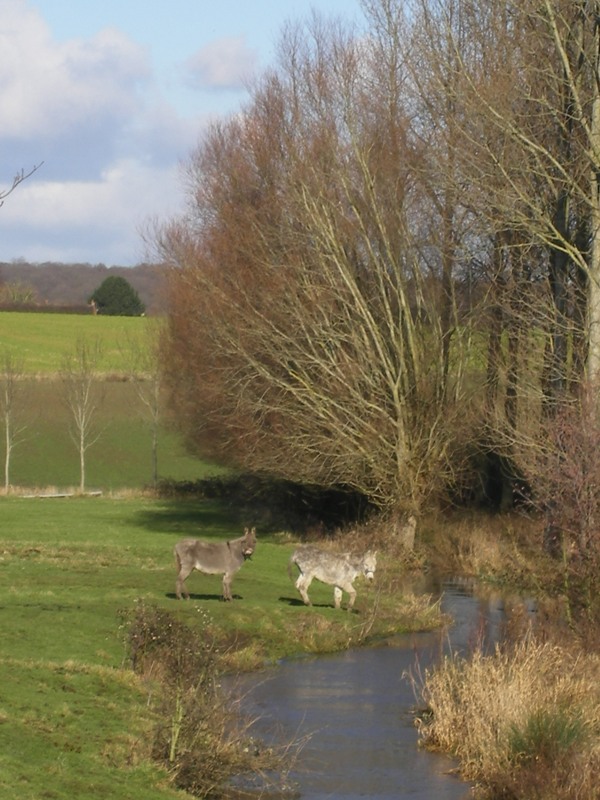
{"points": [[290, 568]]}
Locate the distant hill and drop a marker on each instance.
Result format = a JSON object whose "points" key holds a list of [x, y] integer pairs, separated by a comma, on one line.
{"points": [[58, 284]]}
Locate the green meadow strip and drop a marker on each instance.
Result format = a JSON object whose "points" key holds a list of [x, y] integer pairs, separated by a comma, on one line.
{"points": [[41, 342]]}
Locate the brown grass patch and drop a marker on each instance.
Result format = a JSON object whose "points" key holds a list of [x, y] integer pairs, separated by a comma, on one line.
{"points": [[523, 722]]}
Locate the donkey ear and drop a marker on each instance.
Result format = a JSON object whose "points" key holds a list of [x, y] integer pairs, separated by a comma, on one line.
{"points": [[253, 531]]}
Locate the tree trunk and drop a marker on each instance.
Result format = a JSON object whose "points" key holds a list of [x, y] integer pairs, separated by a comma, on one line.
{"points": [[82, 463], [593, 373], [559, 266], [8, 445], [494, 348]]}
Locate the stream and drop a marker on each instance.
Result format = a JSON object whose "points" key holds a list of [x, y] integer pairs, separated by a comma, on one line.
{"points": [[354, 708]]}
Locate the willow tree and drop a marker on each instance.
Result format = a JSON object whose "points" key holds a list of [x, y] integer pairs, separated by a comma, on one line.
{"points": [[306, 338]]}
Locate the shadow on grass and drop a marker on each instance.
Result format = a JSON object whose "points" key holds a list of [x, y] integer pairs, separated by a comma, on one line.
{"points": [[295, 601], [196, 596], [195, 518]]}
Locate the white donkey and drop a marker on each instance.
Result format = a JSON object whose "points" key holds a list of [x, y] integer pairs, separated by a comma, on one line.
{"points": [[337, 569]]}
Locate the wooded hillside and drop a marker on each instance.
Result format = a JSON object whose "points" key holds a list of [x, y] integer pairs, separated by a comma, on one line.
{"points": [[72, 284]]}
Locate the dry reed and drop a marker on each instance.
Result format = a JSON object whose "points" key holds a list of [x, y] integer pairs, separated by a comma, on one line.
{"points": [[524, 722]]}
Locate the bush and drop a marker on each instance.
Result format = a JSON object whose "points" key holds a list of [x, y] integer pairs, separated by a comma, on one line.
{"points": [[200, 737], [547, 738]]}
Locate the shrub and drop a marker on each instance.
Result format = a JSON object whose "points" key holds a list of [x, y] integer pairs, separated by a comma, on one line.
{"points": [[200, 736], [547, 737]]}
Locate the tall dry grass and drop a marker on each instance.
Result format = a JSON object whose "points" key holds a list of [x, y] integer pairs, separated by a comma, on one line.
{"points": [[524, 722]]}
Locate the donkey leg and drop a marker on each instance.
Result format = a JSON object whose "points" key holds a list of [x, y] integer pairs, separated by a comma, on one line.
{"points": [[337, 597], [302, 585], [184, 572], [227, 578], [352, 592]]}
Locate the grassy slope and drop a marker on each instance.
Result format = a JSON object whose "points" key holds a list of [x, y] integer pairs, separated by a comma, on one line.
{"points": [[40, 342], [74, 721], [44, 454]]}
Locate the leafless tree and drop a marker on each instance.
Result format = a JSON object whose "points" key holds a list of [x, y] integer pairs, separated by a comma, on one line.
{"points": [[142, 355], [80, 379], [532, 150], [11, 389], [308, 336]]}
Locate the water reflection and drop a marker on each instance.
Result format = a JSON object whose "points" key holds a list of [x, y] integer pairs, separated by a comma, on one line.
{"points": [[363, 742], [355, 707]]}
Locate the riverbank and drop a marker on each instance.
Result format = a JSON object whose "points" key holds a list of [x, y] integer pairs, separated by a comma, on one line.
{"points": [[75, 569], [522, 722], [522, 719]]}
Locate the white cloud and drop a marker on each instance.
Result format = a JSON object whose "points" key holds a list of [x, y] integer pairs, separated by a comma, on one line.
{"points": [[223, 64], [92, 110], [117, 198], [46, 87], [102, 219]]}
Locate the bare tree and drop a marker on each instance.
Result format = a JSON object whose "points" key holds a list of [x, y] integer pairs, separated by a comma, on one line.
{"points": [[308, 336], [11, 387], [546, 190], [523, 82], [79, 377], [145, 371]]}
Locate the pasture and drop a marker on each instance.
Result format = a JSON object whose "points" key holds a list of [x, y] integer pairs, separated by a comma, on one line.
{"points": [[120, 456], [69, 703], [40, 342]]}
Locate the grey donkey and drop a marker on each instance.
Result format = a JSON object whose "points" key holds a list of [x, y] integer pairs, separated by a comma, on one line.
{"points": [[213, 558]]}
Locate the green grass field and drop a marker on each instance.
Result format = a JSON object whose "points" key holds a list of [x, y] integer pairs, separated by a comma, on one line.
{"points": [[44, 454], [40, 342], [74, 720]]}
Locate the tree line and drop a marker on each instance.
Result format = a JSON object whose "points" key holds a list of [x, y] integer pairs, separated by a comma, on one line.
{"points": [[52, 284], [388, 272]]}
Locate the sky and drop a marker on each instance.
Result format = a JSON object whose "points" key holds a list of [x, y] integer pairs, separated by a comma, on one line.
{"points": [[109, 98]]}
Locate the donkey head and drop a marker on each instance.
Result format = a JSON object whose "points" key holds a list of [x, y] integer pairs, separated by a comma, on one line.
{"points": [[249, 543], [370, 564]]}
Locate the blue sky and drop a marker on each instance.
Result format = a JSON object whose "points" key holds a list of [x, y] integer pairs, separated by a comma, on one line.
{"points": [[113, 95]]}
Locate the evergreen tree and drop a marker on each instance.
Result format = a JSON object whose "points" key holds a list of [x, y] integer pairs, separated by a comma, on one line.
{"points": [[116, 297]]}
